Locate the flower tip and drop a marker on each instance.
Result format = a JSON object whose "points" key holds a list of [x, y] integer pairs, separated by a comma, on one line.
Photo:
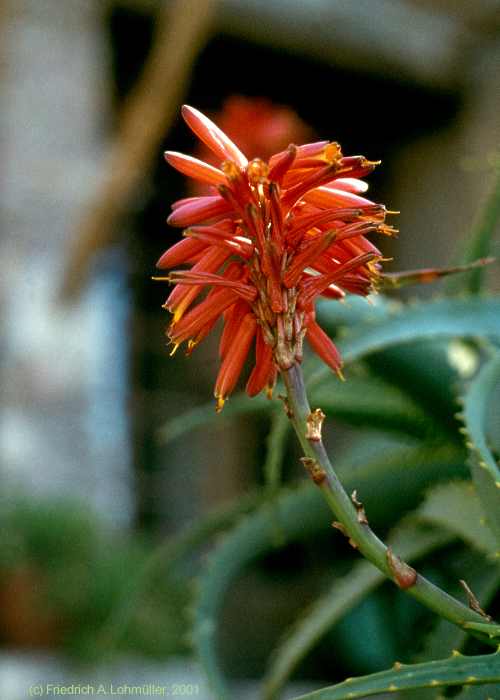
{"points": [[194, 118], [178, 314], [386, 230], [333, 153], [213, 137], [187, 111], [190, 347], [220, 403]]}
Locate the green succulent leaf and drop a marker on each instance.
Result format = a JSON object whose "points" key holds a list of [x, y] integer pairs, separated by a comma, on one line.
{"points": [[493, 631], [457, 670], [355, 310], [371, 401], [478, 244], [476, 692], [484, 580], [442, 318], [477, 404], [422, 370], [485, 470], [456, 507]]}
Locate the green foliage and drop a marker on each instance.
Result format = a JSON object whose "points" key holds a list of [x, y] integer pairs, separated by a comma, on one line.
{"points": [[68, 571], [345, 592], [404, 390], [455, 511], [300, 513], [363, 401], [479, 243], [448, 318], [170, 556], [485, 471], [456, 507], [457, 670], [484, 580]]}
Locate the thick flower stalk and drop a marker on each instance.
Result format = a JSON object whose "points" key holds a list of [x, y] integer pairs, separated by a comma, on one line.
{"points": [[268, 241]]}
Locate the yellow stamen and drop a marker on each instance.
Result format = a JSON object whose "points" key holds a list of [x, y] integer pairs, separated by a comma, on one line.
{"points": [[220, 403], [332, 153], [174, 349], [191, 346], [387, 230], [372, 267]]}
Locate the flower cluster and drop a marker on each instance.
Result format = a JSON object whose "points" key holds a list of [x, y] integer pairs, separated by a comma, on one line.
{"points": [[268, 240]]}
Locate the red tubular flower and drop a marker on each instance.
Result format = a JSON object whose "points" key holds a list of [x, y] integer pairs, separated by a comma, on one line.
{"points": [[269, 239], [323, 346], [233, 362]]}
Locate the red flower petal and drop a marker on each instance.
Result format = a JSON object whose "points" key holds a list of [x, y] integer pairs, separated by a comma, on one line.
{"points": [[331, 197], [234, 359], [232, 322], [183, 295], [198, 209], [264, 368], [323, 346], [212, 136], [180, 252], [197, 169]]}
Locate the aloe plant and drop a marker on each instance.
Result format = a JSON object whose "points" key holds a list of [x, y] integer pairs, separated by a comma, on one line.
{"points": [[267, 242]]}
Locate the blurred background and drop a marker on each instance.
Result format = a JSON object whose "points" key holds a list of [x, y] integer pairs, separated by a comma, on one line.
{"points": [[90, 94]]}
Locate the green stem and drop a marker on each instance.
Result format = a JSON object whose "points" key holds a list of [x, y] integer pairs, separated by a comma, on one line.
{"points": [[351, 517]]}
